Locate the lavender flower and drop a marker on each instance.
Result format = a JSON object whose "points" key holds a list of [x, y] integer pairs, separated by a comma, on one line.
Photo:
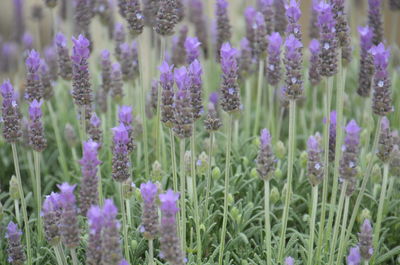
{"points": [[15, 251], [94, 129], [178, 47], [96, 222], [315, 168], [332, 135], [267, 9], [260, 44], [64, 61], [395, 161], [170, 243], [212, 122], [120, 161], [223, 27], [34, 87], [69, 228], [51, 213], [293, 14], [314, 31], [125, 117], [36, 132], [381, 101], [82, 18], [27, 41], [266, 161], [245, 59], [293, 64], [105, 71], [192, 49], [342, 29], [183, 113], [329, 43], [167, 95], [195, 87], [280, 18], [315, 63], [229, 87], [116, 82], [70, 135], [50, 57], [126, 61], [394, 4], [119, 38], [11, 116], [289, 261], [122, 8], [110, 239], [150, 214], [45, 78], [88, 194], [134, 16], [150, 9], [167, 17], [196, 15], [249, 15], [366, 62], [385, 146], [348, 163], [273, 65], [19, 19], [152, 99], [9, 57], [375, 21], [81, 92], [365, 240], [354, 257]]}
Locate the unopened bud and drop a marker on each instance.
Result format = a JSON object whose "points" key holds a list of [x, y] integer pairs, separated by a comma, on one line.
{"points": [[70, 135], [280, 150], [188, 162], [274, 195], [235, 213], [245, 161], [303, 159], [365, 214], [254, 173], [202, 163], [14, 193], [231, 200], [216, 173], [278, 173], [128, 189], [156, 171], [376, 174], [284, 189]]}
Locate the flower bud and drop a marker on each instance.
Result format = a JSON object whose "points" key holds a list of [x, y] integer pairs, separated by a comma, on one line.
{"points": [[231, 200], [306, 218], [376, 175], [14, 193], [235, 213], [365, 214], [274, 195], [128, 189], [254, 173], [216, 173], [134, 244], [202, 163], [156, 171], [284, 192], [245, 161], [278, 173], [303, 159], [280, 150]]}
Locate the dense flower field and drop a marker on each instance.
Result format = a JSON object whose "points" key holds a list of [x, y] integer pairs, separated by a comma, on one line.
{"points": [[200, 132]]}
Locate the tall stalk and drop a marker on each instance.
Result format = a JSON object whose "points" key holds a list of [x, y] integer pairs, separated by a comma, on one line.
{"points": [[158, 121], [183, 193], [312, 224], [226, 187], [248, 95], [17, 214], [195, 199], [285, 215], [58, 256], [259, 95], [208, 176], [381, 205], [342, 243], [36, 158], [74, 257], [151, 252], [267, 222], [124, 223], [23, 204], [329, 83], [337, 223], [173, 158]]}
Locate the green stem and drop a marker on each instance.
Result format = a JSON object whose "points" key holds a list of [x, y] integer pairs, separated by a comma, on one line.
{"points": [[158, 121], [329, 83], [338, 148], [226, 188], [208, 176], [76, 159], [195, 199], [74, 257], [365, 181], [124, 225], [62, 254], [337, 223], [128, 212], [57, 134], [285, 215], [271, 111], [259, 95], [36, 158], [100, 188], [17, 214], [183, 193], [381, 205], [267, 223], [23, 204], [58, 256], [173, 158], [312, 223], [248, 90], [151, 252], [342, 243]]}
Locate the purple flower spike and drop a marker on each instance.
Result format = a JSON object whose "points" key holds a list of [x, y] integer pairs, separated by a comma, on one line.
{"points": [[314, 164], [315, 63], [274, 61], [64, 60], [81, 49], [293, 64], [35, 111], [267, 9], [34, 87], [37, 139], [183, 112], [126, 118], [375, 20], [365, 240], [168, 203], [111, 242], [167, 93], [123, 262], [246, 58], [178, 49], [96, 223], [69, 228], [366, 62], [289, 261], [11, 115], [223, 26], [280, 19], [120, 162], [150, 215], [354, 257], [15, 249], [230, 99], [260, 38], [167, 17], [195, 87], [266, 161], [293, 11], [386, 141], [249, 15], [51, 212], [94, 129], [27, 41], [212, 122], [192, 49], [116, 82], [381, 56]]}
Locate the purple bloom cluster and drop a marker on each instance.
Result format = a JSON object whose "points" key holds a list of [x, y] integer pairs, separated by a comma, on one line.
{"points": [[15, 250], [381, 100], [119, 38], [273, 64], [183, 111], [195, 87], [223, 27], [293, 14], [354, 257], [44, 72], [167, 94], [120, 161], [342, 29], [315, 63], [96, 223], [249, 15], [51, 213], [260, 36], [365, 240], [375, 20], [315, 168], [385, 146], [289, 261], [192, 49], [134, 16], [125, 117], [50, 57], [266, 161], [64, 61], [11, 116], [332, 135], [36, 132], [197, 17], [280, 18], [170, 243], [245, 59], [167, 17], [150, 224], [94, 129], [267, 9], [314, 30], [69, 227], [212, 122], [178, 47], [82, 17], [293, 63], [116, 82], [230, 100], [34, 87], [366, 62]]}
